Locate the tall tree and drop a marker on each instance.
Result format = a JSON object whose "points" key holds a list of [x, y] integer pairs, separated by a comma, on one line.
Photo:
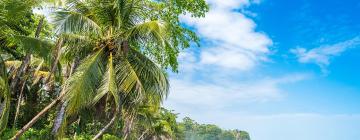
{"points": [[124, 46], [20, 30]]}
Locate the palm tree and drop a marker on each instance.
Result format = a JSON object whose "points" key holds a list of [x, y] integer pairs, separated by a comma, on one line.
{"points": [[19, 40], [123, 46], [156, 124], [139, 113], [15, 29]]}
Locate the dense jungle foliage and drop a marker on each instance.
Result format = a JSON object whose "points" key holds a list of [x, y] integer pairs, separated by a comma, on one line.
{"points": [[95, 69]]}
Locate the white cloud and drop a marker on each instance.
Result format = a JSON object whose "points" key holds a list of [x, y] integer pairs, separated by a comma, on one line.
{"points": [[234, 46], [322, 55], [209, 80], [226, 92], [228, 4], [234, 43], [210, 88]]}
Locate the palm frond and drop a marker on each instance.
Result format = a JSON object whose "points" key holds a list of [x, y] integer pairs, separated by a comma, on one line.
{"points": [[140, 76], [154, 31], [36, 46], [38, 63], [127, 79], [75, 22], [39, 74], [152, 75], [71, 38], [154, 40], [16, 10], [56, 3], [108, 84], [81, 87], [128, 12], [76, 45]]}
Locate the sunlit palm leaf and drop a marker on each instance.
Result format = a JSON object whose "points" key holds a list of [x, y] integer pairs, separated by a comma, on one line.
{"points": [[81, 87], [76, 45], [108, 84], [127, 79], [75, 22], [152, 76], [127, 12], [155, 34], [154, 31], [139, 75]]}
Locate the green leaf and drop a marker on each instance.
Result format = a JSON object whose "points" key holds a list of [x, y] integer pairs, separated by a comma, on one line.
{"points": [[36, 46], [75, 22], [108, 84], [81, 87], [138, 75], [154, 31]]}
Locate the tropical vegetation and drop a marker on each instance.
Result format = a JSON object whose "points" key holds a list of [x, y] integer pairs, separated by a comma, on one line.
{"points": [[94, 69]]}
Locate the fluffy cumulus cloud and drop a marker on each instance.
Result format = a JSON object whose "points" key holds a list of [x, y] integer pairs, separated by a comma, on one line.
{"points": [[209, 76], [211, 79], [222, 94], [322, 55], [231, 45], [234, 43], [215, 84]]}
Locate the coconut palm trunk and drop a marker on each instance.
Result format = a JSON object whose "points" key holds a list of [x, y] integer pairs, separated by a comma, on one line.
{"points": [[19, 103], [23, 70], [128, 126], [2, 105], [24, 65], [37, 117], [143, 134], [5, 109], [107, 126], [26, 62], [59, 118], [57, 58], [60, 115], [5, 97]]}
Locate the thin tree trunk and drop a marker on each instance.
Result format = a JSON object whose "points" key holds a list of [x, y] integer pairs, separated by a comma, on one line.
{"points": [[20, 71], [57, 57], [2, 105], [19, 103], [59, 118], [39, 27], [143, 134], [60, 115], [127, 129], [37, 117], [25, 64], [102, 131], [4, 116]]}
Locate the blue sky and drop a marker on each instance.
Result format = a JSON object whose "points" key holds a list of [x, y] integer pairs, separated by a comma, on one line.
{"points": [[279, 69]]}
